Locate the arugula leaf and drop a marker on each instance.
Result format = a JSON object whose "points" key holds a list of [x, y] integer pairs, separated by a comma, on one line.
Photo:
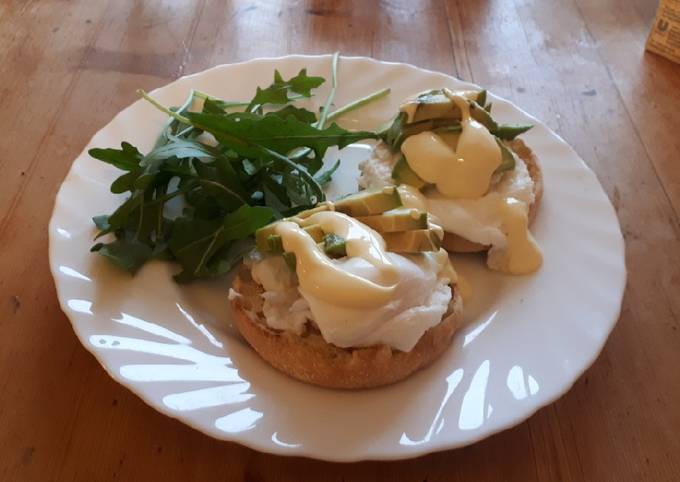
{"points": [[125, 182], [245, 221], [227, 197], [127, 158], [245, 132], [176, 147], [180, 148], [211, 105], [195, 242], [481, 115], [102, 222], [173, 126], [357, 104], [303, 115], [510, 131], [481, 98], [127, 255], [119, 218], [331, 95], [326, 176], [261, 158], [279, 91], [393, 135], [275, 194], [507, 158]]}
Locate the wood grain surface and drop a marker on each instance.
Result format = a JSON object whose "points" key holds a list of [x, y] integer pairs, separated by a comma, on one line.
{"points": [[66, 67]]}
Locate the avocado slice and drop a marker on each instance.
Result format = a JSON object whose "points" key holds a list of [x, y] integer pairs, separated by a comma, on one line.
{"points": [[403, 174], [369, 202], [396, 220], [399, 130], [291, 260], [434, 105], [435, 125], [275, 244], [415, 241], [334, 245], [317, 209], [262, 234]]}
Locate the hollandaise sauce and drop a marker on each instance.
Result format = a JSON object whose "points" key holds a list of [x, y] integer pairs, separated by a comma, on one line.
{"points": [[461, 172], [461, 166], [521, 255], [321, 277]]}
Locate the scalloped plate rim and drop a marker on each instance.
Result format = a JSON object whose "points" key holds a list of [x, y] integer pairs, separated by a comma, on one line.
{"points": [[405, 452]]}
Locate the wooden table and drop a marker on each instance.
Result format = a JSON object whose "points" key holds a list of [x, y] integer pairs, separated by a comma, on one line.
{"points": [[579, 65]]}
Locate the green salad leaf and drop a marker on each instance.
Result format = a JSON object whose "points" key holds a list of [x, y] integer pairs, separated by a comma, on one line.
{"points": [[199, 244], [282, 91], [248, 133], [216, 174]]}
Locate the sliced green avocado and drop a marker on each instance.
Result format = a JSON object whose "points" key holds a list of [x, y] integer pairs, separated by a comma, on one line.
{"points": [[434, 105], [403, 174], [262, 234], [308, 212], [436, 125], [291, 260], [416, 241], [399, 130], [369, 202], [275, 244], [401, 219], [334, 245]]}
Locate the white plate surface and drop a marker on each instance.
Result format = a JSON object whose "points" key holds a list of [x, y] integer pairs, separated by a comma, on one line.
{"points": [[528, 338]]}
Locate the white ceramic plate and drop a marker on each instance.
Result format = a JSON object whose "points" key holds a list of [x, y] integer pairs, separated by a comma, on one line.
{"points": [[527, 341]]}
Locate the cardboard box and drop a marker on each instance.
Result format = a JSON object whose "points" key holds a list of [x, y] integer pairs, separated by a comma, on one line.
{"points": [[664, 39]]}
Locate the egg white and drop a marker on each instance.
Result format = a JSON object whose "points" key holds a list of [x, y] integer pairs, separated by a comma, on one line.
{"points": [[419, 302], [477, 219]]}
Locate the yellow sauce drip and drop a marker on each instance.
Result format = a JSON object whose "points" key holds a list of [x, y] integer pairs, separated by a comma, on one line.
{"points": [[461, 173], [464, 288], [521, 255], [321, 277]]}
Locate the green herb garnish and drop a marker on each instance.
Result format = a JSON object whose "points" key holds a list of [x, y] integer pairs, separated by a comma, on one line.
{"points": [[216, 175]]}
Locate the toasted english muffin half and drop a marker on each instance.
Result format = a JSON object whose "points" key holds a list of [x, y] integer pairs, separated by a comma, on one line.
{"points": [[456, 244], [309, 358]]}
